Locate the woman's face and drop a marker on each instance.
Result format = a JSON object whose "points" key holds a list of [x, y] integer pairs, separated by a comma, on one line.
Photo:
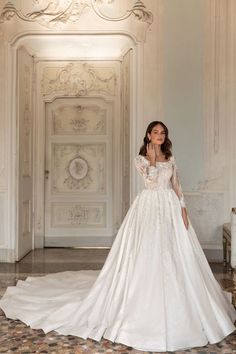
{"points": [[157, 135]]}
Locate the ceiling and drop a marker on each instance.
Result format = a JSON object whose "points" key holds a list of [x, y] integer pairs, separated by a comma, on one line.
{"points": [[74, 46]]}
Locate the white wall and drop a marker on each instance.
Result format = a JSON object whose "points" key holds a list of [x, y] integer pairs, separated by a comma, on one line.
{"points": [[153, 57], [173, 80], [183, 84]]}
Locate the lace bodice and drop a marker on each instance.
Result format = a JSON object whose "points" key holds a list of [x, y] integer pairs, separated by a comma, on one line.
{"points": [[163, 175]]}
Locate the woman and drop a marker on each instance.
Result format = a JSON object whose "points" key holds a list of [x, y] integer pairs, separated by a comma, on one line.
{"points": [[155, 292]]}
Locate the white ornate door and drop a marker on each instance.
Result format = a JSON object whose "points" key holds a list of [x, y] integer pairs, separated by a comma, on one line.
{"points": [[25, 153], [78, 174]]}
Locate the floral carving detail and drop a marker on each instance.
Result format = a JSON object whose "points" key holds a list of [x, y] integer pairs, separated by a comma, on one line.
{"points": [[79, 119], [78, 215], [59, 12], [79, 124], [78, 80], [83, 214], [48, 13]]}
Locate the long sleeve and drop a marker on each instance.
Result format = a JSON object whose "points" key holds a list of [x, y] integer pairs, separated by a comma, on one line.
{"points": [[149, 173], [176, 184]]}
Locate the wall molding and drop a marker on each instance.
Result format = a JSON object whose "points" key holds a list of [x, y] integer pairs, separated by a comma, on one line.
{"points": [[213, 255], [215, 94], [231, 102], [220, 101], [56, 13]]}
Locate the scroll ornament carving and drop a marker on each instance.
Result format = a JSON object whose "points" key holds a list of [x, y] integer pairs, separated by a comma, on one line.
{"points": [[59, 12], [84, 215], [139, 10], [48, 13], [78, 80], [79, 119], [79, 124]]}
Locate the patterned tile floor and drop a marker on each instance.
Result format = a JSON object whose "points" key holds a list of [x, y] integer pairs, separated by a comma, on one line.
{"points": [[16, 337]]}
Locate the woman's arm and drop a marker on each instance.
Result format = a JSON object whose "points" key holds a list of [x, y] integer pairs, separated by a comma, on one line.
{"points": [[178, 190], [147, 170]]}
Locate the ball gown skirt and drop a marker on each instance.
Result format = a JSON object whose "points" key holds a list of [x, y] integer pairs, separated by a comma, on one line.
{"points": [[155, 292]]}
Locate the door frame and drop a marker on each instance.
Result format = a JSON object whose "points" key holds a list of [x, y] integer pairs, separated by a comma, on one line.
{"points": [[84, 240], [20, 253], [137, 126]]}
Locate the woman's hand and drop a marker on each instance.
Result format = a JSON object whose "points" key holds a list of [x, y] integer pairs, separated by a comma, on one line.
{"points": [[185, 217], [151, 153]]}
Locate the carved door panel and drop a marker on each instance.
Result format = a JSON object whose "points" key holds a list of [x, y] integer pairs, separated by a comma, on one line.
{"points": [[25, 153], [78, 174]]}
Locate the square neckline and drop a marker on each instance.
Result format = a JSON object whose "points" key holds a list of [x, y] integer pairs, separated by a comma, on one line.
{"points": [[157, 161]]}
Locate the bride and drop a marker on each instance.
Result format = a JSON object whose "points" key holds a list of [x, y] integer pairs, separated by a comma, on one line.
{"points": [[156, 290]]}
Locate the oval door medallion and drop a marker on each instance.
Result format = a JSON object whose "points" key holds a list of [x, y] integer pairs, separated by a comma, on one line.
{"points": [[78, 168]]}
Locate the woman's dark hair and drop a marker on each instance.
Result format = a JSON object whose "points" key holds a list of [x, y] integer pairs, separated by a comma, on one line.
{"points": [[165, 147]]}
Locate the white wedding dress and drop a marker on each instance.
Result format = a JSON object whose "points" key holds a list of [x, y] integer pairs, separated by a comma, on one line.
{"points": [[155, 292]]}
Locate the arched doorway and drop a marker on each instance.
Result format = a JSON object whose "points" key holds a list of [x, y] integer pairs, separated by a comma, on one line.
{"points": [[80, 138]]}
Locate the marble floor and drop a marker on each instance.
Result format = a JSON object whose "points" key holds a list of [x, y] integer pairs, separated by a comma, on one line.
{"points": [[16, 337]]}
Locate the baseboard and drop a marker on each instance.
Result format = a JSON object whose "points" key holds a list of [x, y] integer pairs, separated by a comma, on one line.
{"points": [[103, 241], [8, 255], [214, 255], [39, 242]]}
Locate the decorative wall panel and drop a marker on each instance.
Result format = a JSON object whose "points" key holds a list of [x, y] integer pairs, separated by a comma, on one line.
{"points": [[74, 215], [79, 119], [27, 123], [80, 79], [78, 168], [25, 151], [57, 13]]}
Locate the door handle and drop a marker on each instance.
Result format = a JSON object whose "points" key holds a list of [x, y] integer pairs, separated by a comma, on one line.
{"points": [[46, 173]]}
